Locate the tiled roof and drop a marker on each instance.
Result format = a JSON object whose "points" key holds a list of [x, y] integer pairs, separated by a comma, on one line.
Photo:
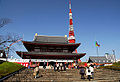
{"points": [[51, 53], [99, 59], [51, 39]]}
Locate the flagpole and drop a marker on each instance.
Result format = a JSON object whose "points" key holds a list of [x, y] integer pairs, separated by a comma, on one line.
{"points": [[97, 45], [97, 51]]}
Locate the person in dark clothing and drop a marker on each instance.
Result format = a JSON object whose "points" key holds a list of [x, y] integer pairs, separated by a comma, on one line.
{"points": [[44, 65], [82, 72], [64, 67], [29, 64], [54, 67]]}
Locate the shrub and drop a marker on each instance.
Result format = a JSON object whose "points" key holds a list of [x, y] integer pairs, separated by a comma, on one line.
{"points": [[9, 67]]}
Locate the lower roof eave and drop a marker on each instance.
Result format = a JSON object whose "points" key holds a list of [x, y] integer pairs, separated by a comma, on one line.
{"points": [[74, 56]]}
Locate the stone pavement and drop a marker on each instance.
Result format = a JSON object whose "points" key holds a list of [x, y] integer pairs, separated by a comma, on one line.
{"points": [[70, 75]]}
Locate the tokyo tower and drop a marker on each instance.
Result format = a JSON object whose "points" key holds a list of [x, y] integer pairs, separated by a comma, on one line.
{"points": [[71, 37]]}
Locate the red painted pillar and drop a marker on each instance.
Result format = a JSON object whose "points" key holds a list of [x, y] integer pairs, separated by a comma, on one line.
{"points": [[72, 65], [30, 63], [38, 63], [69, 66], [47, 63]]}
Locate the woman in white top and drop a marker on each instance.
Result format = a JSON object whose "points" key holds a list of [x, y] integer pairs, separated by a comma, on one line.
{"points": [[88, 73], [92, 70]]}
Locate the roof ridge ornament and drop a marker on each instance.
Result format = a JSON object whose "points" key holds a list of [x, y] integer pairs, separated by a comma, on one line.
{"points": [[36, 34]]}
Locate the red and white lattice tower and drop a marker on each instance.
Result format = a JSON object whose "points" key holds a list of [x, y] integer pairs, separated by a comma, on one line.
{"points": [[71, 37]]}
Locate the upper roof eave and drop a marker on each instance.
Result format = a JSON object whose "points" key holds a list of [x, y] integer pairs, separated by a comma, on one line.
{"points": [[34, 42]]}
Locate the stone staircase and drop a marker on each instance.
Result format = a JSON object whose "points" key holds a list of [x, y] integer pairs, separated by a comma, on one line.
{"points": [[107, 75], [70, 75]]}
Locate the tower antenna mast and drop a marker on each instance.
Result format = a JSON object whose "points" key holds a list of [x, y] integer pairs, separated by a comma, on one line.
{"points": [[71, 37]]}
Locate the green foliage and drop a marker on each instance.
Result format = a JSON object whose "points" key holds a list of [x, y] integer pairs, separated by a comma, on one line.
{"points": [[81, 63], [9, 67], [111, 67], [115, 66]]}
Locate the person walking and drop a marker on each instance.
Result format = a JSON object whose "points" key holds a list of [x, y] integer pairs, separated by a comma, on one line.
{"points": [[54, 67], [29, 64], [44, 65], [36, 72], [64, 67], [57, 66], [61, 65], [88, 73], [82, 72], [92, 70]]}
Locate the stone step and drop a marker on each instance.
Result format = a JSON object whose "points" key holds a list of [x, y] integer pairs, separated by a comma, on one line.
{"points": [[49, 75]]}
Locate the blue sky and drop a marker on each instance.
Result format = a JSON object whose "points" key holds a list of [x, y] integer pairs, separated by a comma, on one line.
{"points": [[92, 20]]}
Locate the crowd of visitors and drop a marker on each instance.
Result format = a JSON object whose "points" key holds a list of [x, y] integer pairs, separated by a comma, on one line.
{"points": [[85, 71], [59, 67]]}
